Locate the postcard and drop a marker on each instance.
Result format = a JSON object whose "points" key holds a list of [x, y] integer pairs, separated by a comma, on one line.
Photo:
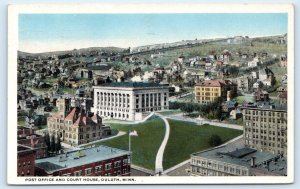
{"points": [[150, 93]]}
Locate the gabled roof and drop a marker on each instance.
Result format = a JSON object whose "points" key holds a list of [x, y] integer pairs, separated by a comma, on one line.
{"points": [[72, 115]]}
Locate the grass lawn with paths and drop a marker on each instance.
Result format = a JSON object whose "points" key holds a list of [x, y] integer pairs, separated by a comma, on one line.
{"points": [[145, 145], [187, 138]]}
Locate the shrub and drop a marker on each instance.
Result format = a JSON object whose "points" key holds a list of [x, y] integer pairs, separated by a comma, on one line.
{"points": [[214, 140]]}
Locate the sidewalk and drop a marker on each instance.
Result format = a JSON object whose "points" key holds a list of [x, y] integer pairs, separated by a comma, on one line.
{"points": [[160, 153], [68, 147], [120, 133], [127, 122], [201, 121]]}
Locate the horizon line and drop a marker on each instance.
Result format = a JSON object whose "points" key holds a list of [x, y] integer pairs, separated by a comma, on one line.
{"points": [[110, 46]]}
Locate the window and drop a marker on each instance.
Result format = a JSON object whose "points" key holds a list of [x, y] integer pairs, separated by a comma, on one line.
{"points": [[125, 161], [117, 163], [244, 172], [107, 166], [88, 171], [225, 168], [98, 168], [77, 173]]}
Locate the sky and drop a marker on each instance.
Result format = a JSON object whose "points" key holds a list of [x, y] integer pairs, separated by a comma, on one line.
{"points": [[53, 32]]}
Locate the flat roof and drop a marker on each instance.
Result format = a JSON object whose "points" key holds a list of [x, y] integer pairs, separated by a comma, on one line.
{"points": [[130, 85], [236, 153], [79, 157]]}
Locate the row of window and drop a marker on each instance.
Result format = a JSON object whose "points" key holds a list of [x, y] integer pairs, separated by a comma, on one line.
{"points": [[23, 174], [151, 94], [207, 89], [220, 167], [93, 135], [112, 114], [226, 172], [112, 104], [265, 113], [264, 119], [28, 163], [99, 169], [112, 94]]}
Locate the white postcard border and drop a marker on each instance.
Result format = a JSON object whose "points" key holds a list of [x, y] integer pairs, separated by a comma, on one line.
{"points": [[14, 10]]}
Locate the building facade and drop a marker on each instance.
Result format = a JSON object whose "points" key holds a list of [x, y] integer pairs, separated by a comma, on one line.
{"points": [[245, 83], [238, 162], [209, 90], [129, 100], [265, 128], [234, 159], [97, 161], [76, 127], [26, 159]]}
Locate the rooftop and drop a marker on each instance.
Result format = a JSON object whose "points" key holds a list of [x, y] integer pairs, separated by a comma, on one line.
{"points": [[130, 85], [78, 158], [236, 153], [215, 83], [264, 106]]}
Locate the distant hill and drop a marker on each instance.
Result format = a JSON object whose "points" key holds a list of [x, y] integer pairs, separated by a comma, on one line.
{"points": [[83, 50]]}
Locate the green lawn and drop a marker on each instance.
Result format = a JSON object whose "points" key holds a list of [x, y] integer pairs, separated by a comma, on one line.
{"points": [[145, 145], [187, 138], [21, 123], [170, 112], [241, 99], [233, 121], [68, 90]]}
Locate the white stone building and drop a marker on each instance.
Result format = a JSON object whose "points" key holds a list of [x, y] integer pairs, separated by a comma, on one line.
{"points": [[129, 100]]}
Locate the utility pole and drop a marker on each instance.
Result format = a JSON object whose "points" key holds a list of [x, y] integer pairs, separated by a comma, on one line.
{"points": [[129, 146]]}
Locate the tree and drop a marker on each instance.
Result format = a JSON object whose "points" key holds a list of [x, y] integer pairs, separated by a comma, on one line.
{"points": [[52, 144], [233, 70], [58, 145], [214, 140], [47, 141], [108, 80]]}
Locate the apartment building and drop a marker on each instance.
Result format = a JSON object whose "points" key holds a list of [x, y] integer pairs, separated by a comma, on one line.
{"points": [[265, 128], [209, 90]]}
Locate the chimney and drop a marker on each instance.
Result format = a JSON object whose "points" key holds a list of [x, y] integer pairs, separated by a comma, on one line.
{"points": [[253, 161], [228, 96]]}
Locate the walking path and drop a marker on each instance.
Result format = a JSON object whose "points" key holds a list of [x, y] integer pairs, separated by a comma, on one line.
{"points": [[128, 122], [120, 133], [68, 147], [201, 121], [160, 153]]}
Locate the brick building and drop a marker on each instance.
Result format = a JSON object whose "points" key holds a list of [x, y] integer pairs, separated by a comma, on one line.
{"points": [[26, 159], [96, 161], [27, 137], [76, 127]]}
